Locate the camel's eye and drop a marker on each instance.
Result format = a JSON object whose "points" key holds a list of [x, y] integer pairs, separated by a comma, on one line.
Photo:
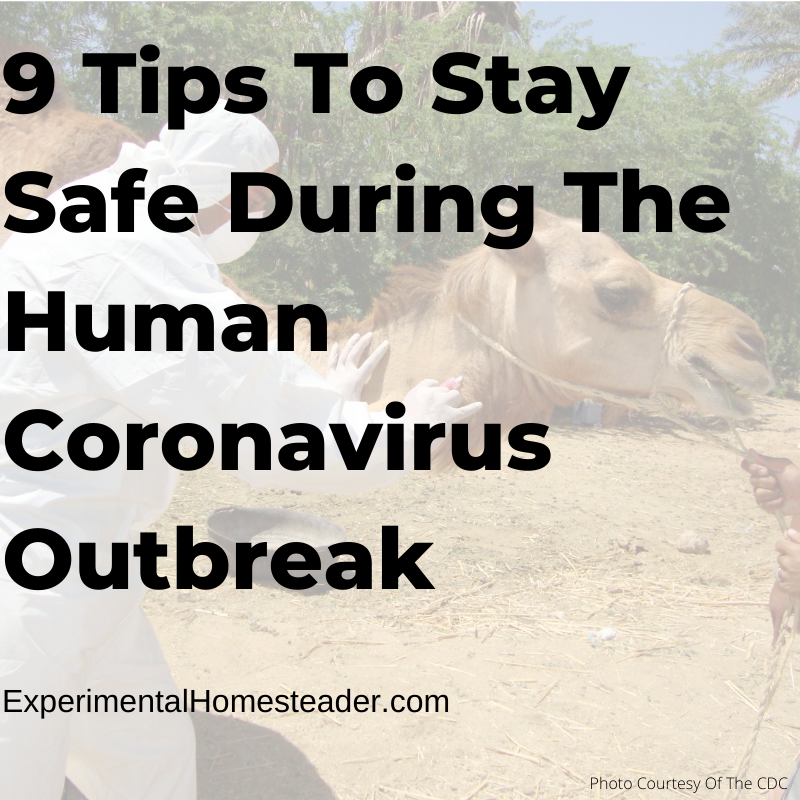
{"points": [[617, 299]]}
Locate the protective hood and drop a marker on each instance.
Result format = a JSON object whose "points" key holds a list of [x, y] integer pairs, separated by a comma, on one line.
{"points": [[203, 155]]}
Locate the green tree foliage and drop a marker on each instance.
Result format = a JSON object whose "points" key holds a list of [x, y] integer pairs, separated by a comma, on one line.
{"points": [[681, 124]]}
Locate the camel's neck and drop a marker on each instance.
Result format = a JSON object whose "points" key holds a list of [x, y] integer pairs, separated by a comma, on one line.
{"points": [[427, 340]]}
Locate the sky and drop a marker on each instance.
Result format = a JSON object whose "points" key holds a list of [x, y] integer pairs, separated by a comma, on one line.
{"points": [[658, 28], [661, 29]]}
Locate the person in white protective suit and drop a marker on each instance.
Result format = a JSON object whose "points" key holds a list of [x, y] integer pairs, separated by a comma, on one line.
{"points": [[71, 639]]}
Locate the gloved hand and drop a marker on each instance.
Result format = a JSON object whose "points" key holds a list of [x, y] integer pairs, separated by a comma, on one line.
{"points": [[430, 402], [343, 372]]}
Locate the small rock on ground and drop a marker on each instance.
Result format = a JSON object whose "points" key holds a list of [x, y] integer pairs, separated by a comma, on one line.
{"points": [[691, 542]]}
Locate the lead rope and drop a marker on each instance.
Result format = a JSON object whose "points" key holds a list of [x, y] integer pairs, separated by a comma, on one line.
{"points": [[780, 655], [668, 408], [656, 403]]}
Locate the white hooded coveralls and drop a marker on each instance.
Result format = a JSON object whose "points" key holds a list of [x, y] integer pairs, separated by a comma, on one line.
{"points": [[71, 638]]}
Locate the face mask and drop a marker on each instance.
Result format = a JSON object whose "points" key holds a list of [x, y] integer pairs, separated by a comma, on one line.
{"points": [[225, 245]]}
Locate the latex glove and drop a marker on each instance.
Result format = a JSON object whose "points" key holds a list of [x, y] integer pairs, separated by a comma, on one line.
{"points": [[430, 402], [775, 482], [343, 371]]}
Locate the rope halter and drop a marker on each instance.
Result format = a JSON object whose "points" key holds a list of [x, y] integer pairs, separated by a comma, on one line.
{"points": [[654, 404]]}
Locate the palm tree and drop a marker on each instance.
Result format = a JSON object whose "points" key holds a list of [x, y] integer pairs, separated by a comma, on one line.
{"points": [[385, 20], [767, 36]]}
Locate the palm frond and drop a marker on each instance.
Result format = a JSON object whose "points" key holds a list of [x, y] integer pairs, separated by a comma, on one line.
{"points": [[766, 36]]}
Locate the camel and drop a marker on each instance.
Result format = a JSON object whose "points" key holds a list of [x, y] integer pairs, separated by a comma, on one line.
{"points": [[574, 305], [59, 141]]}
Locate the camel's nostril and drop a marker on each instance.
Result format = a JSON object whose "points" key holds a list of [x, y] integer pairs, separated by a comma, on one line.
{"points": [[750, 344], [705, 370]]}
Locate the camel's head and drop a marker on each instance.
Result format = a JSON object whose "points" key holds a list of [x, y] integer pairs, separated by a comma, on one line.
{"points": [[578, 307]]}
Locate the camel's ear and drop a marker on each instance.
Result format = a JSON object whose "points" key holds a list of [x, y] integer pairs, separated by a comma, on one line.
{"points": [[524, 254]]}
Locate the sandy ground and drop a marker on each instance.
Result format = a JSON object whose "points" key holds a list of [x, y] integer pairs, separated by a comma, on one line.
{"points": [[529, 568]]}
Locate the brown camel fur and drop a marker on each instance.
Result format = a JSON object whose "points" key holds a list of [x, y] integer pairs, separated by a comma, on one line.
{"points": [[59, 141], [574, 305]]}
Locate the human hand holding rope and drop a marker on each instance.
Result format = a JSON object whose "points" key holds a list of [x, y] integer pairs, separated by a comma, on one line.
{"points": [[776, 487], [777, 478], [775, 482]]}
